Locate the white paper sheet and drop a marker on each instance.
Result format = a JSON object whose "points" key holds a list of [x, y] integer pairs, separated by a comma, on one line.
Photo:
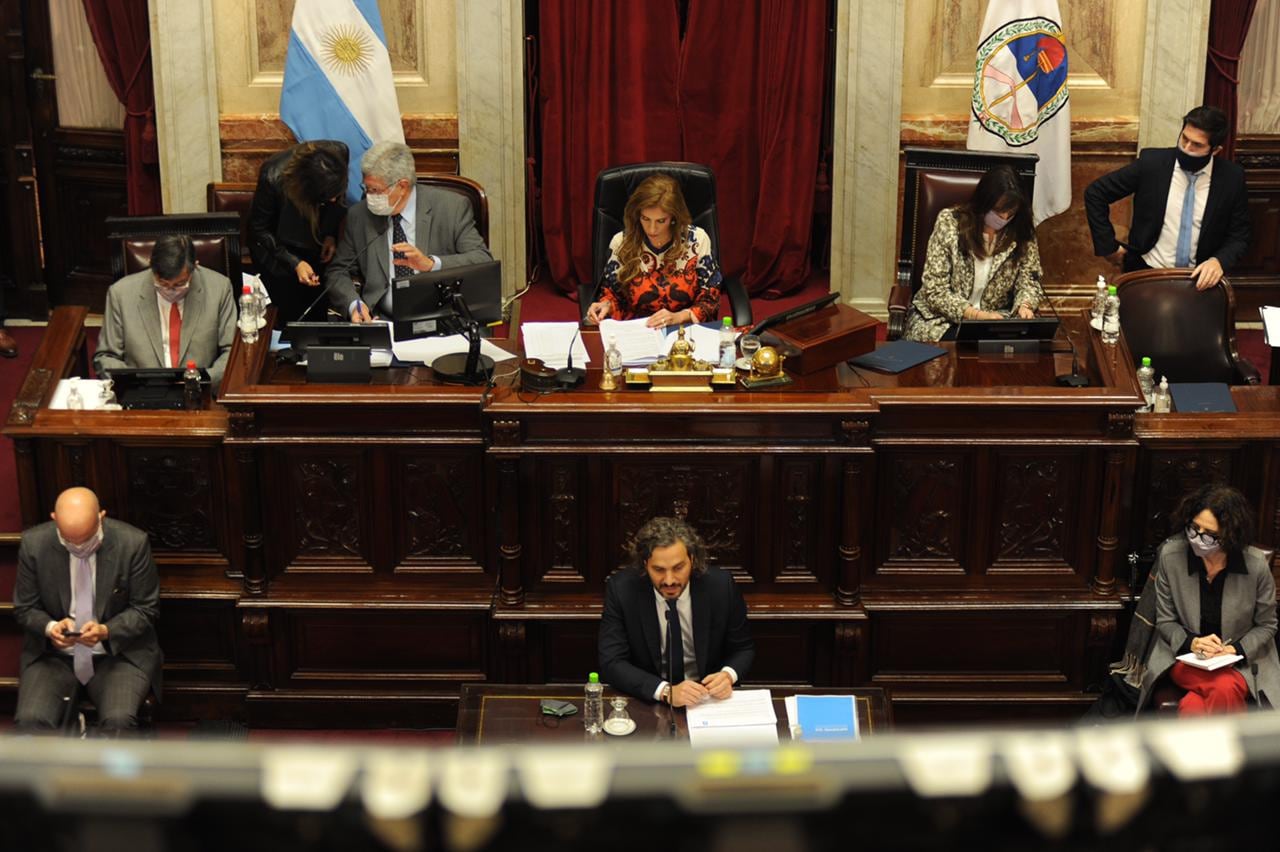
{"points": [[737, 736], [706, 342], [550, 342], [427, 349], [743, 707], [638, 343], [1271, 325]]}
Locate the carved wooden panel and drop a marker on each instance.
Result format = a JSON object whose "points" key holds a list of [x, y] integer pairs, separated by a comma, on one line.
{"points": [[718, 498], [1035, 507], [171, 495], [786, 652], [568, 653], [199, 639], [922, 518], [1170, 475], [327, 503], [440, 519], [89, 187], [560, 512], [801, 512]]}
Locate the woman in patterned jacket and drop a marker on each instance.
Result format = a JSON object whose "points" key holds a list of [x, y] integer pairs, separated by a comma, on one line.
{"points": [[660, 265], [982, 261]]}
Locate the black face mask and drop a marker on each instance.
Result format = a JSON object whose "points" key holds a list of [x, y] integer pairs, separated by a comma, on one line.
{"points": [[1190, 162]]}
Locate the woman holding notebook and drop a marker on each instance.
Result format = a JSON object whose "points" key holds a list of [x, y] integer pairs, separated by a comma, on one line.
{"points": [[1215, 608]]}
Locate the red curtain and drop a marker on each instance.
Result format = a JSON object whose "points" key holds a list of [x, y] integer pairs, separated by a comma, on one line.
{"points": [[751, 91], [608, 92], [122, 35], [1228, 25]]}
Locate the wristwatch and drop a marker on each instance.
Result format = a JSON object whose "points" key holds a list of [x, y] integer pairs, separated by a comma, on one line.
{"points": [[666, 693]]}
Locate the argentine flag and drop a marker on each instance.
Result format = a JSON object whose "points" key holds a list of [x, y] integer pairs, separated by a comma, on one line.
{"points": [[337, 79]]}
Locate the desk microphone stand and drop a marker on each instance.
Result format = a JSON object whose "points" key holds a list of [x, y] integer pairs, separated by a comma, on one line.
{"points": [[469, 368], [672, 625]]}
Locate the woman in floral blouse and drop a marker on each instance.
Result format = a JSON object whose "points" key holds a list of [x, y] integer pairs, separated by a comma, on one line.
{"points": [[982, 261], [660, 265]]}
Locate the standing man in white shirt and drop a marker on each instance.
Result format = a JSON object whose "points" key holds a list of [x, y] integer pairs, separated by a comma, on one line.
{"points": [[86, 597], [669, 579], [1190, 206]]}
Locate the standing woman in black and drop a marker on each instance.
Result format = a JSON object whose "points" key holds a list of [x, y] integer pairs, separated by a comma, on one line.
{"points": [[297, 210]]}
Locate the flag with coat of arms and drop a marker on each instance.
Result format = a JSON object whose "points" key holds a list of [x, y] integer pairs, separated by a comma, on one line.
{"points": [[337, 79], [1020, 102]]}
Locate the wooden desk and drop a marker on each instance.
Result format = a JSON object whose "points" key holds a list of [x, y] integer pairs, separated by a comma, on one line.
{"points": [[510, 713]]}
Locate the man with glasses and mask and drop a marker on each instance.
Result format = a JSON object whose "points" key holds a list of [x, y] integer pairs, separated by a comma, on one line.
{"points": [[86, 598], [398, 230], [1190, 208], [174, 312]]}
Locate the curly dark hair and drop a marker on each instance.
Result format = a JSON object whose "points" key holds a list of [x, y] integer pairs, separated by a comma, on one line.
{"points": [[1237, 523], [664, 532]]}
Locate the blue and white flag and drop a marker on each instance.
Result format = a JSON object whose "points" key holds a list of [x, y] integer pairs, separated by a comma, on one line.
{"points": [[337, 79], [1020, 102]]}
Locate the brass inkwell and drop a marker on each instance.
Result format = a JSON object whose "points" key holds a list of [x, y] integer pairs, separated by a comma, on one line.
{"points": [[678, 371]]}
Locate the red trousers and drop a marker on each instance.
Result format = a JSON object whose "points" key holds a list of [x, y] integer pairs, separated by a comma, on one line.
{"points": [[1221, 691]]}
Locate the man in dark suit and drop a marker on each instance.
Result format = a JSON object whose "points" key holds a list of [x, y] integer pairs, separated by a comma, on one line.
{"points": [[166, 315], [669, 579], [1189, 205], [398, 230], [86, 598]]}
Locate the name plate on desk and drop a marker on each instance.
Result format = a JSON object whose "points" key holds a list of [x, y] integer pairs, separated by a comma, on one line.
{"points": [[824, 338]]}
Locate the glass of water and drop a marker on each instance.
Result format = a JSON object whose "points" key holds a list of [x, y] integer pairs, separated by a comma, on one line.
{"points": [[750, 345]]}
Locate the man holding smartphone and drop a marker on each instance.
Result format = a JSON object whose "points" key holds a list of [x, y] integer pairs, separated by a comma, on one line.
{"points": [[86, 597]]}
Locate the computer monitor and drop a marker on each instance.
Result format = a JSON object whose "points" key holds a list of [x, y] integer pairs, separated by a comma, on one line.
{"points": [[1006, 330], [793, 313], [423, 305], [301, 335], [152, 388]]}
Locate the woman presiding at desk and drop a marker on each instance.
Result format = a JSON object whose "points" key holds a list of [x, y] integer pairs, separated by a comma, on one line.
{"points": [[660, 265], [1214, 596], [982, 262], [293, 224]]}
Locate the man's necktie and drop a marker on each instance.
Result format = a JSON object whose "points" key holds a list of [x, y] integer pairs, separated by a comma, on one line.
{"points": [[675, 644], [175, 334], [1182, 255], [82, 655], [397, 235]]}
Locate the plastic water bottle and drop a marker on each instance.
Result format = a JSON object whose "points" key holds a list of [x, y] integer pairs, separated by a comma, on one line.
{"points": [[192, 398], [727, 353], [593, 705], [1111, 318], [613, 357], [1162, 402], [259, 305], [1099, 303], [248, 321], [75, 400], [1147, 382]]}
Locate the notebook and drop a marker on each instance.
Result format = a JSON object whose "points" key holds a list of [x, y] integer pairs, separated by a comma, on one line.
{"points": [[1192, 397], [897, 356]]}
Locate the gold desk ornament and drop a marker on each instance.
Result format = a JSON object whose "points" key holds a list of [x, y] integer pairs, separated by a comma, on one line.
{"points": [[678, 371], [766, 369], [607, 381]]}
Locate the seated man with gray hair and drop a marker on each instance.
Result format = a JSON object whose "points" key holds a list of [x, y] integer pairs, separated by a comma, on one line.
{"points": [[667, 597], [398, 230]]}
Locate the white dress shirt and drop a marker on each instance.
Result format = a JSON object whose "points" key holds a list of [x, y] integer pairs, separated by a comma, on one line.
{"points": [[684, 609], [1164, 253], [71, 573], [164, 326]]}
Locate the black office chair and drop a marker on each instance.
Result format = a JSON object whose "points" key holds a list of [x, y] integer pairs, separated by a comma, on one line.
{"points": [[615, 185]]}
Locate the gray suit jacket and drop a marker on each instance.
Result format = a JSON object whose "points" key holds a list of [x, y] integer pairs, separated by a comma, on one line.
{"points": [[131, 325], [1248, 617], [126, 595], [445, 227]]}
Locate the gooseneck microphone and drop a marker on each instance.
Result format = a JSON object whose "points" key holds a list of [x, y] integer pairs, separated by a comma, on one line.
{"points": [[672, 626], [325, 290], [1074, 379], [567, 377]]}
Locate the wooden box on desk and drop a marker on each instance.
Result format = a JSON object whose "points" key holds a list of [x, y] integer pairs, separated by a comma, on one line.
{"points": [[826, 337]]}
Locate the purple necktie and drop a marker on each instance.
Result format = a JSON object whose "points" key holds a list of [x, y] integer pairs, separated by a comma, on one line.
{"points": [[82, 655]]}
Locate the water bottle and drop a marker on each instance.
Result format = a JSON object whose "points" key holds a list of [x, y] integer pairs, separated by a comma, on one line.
{"points": [[1147, 382], [1111, 318], [248, 322], [75, 400], [613, 357], [727, 348], [593, 705], [192, 398], [1162, 402], [1099, 304], [259, 305]]}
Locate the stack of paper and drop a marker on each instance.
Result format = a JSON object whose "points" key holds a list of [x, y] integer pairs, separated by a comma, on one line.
{"points": [[550, 342], [1210, 663], [638, 343], [745, 718], [427, 349], [822, 717], [705, 340], [1271, 325]]}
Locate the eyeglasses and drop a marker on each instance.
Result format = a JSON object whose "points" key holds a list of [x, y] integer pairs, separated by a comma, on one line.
{"points": [[1205, 537]]}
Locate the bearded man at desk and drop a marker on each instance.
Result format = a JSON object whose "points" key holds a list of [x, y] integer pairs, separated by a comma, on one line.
{"points": [[669, 580]]}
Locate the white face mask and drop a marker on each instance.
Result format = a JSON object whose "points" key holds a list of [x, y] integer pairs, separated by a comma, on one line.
{"points": [[86, 548], [379, 203], [173, 294]]}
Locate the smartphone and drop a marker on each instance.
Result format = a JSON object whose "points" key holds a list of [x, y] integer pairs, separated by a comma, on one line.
{"points": [[71, 634]]}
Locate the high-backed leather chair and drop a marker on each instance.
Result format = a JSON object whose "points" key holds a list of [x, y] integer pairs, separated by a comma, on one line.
{"points": [[935, 180], [469, 190], [216, 237], [1189, 334], [615, 185]]}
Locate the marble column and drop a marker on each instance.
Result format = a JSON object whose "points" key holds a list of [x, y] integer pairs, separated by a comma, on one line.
{"points": [[1177, 39], [491, 122], [868, 110], [185, 74]]}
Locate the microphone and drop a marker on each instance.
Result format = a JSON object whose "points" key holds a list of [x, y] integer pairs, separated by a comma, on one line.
{"points": [[567, 377], [1074, 379], [672, 626], [325, 290]]}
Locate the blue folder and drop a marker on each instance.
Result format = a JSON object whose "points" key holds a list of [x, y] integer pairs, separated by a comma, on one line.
{"points": [[827, 717], [897, 356], [1194, 397]]}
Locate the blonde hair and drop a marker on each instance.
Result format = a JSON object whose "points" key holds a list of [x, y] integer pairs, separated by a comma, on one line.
{"points": [[662, 191]]}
